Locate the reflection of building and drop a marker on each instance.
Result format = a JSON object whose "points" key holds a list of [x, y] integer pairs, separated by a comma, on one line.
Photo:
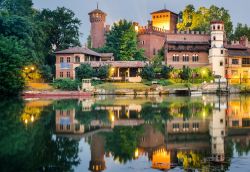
{"points": [[217, 130], [66, 122], [97, 162]]}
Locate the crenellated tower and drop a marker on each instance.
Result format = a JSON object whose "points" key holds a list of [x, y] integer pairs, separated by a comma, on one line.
{"points": [[217, 52], [97, 32]]}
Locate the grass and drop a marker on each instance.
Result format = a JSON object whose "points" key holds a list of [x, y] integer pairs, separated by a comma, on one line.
{"points": [[39, 87], [114, 86]]}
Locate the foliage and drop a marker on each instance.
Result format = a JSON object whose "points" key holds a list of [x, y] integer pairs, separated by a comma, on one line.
{"points": [[240, 31], [17, 7], [12, 54], [126, 140], [186, 73], [122, 41], [103, 72], [200, 19], [84, 71], [148, 73], [66, 84], [166, 71], [46, 72], [89, 43]]}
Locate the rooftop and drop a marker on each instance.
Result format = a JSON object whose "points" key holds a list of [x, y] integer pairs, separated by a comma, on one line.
{"points": [[241, 53], [188, 42], [79, 50], [163, 11], [97, 11]]}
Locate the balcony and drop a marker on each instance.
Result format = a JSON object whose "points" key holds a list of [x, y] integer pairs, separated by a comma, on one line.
{"points": [[64, 65]]}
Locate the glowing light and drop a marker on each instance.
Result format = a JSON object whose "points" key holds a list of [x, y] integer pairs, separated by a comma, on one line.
{"points": [[26, 121], [136, 153], [112, 118], [32, 68], [136, 28], [32, 118]]}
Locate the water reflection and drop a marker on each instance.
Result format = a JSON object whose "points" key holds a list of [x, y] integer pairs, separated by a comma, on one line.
{"points": [[203, 133]]}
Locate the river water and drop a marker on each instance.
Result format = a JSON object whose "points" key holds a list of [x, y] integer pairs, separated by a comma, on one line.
{"points": [[126, 134]]}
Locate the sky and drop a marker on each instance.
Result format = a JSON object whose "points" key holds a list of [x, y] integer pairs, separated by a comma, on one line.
{"points": [[139, 10]]}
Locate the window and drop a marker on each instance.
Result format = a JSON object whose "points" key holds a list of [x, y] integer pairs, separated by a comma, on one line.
{"points": [[195, 125], [154, 51], [61, 127], [68, 112], [222, 133], [77, 59], [61, 112], [186, 125], [175, 126], [185, 58], [234, 72], [68, 74], [221, 121], [68, 59], [221, 51], [61, 74], [246, 61], [142, 42], [213, 27], [218, 27], [235, 61], [221, 63], [195, 58], [175, 58], [68, 127], [235, 123], [214, 38], [61, 59]]}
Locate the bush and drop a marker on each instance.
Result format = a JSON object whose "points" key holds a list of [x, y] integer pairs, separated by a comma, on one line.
{"points": [[166, 82], [186, 73], [148, 73], [66, 84], [166, 71], [84, 71], [46, 72], [103, 72]]}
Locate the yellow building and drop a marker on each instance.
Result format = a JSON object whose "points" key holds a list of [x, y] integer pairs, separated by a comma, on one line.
{"points": [[164, 19]]}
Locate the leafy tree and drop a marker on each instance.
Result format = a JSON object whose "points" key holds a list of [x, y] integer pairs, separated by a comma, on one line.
{"points": [[84, 71], [148, 73], [17, 7], [200, 19], [240, 31], [122, 41], [103, 72], [89, 43], [12, 54], [166, 71], [186, 73]]}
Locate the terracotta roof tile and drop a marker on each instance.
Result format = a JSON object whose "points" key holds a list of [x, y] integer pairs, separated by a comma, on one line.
{"points": [[79, 50], [124, 64], [162, 11]]}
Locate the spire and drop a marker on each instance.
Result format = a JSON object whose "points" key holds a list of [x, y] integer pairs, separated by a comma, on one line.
{"points": [[165, 6], [97, 5]]}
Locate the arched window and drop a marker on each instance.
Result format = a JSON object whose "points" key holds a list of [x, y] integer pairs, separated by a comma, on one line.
{"points": [[175, 57], [185, 58], [68, 59], [195, 58], [214, 38], [77, 59], [218, 27], [213, 27]]}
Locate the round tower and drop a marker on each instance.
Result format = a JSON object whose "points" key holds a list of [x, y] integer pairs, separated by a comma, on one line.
{"points": [[97, 32], [217, 52]]}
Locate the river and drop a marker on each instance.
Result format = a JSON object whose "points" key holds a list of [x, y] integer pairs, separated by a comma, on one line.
{"points": [[126, 134]]}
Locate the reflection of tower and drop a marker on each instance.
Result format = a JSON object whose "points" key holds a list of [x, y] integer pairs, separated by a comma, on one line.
{"points": [[97, 19], [97, 162], [217, 132], [217, 51]]}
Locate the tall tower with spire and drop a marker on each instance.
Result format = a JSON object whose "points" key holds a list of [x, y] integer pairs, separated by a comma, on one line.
{"points": [[97, 32]]}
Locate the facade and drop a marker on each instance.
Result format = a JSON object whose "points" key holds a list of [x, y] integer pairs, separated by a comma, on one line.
{"points": [[187, 48]]}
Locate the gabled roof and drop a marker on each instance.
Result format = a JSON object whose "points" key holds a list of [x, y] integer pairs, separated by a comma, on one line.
{"points": [[163, 11], [97, 11], [79, 50]]}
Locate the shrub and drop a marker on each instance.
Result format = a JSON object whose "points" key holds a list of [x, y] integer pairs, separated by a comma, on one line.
{"points": [[148, 73], [66, 84], [186, 73], [103, 72], [166, 71], [84, 71]]}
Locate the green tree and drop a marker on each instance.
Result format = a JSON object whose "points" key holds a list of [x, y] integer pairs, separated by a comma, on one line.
{"points": [[148, 73], [84, 71], [240, 31], [166, 71], [186, 73], [12, 56], [200, 19], [103, 72], [17, 7], [122, 41]]}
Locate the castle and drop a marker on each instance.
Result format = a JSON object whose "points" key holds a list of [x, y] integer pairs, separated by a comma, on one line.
{"points": [[189, 48], [194, 49]]}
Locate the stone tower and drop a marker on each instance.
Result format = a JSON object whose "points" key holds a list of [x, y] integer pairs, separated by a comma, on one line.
{"points": [[217, 52], [97, 32]]}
